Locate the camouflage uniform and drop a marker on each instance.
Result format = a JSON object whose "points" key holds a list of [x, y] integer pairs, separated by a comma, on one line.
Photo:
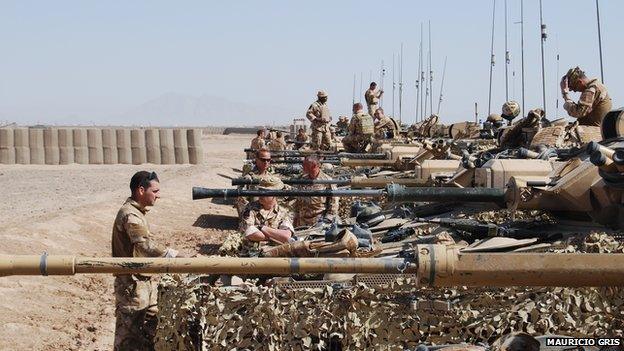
{"points": [[361, 131], [255, 216], [257, 143], [277, 145], [593, 104], [521, 133], [309, 210], [372, 101], [135, 294], [343, 126], [385, 127], [300, 140], [318, 114]]}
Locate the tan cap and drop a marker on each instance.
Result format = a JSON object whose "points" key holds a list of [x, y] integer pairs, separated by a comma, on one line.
{"points": [[574, 74], [494, 117], [321, 93], [270, 183]]}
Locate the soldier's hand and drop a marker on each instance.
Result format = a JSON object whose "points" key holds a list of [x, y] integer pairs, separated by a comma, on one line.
{"points": [[564, 84]]}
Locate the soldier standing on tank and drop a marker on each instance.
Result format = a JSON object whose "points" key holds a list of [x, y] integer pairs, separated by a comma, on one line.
{"points": [[311, 210], [136, 294], [361, 130], [318, 114], [594, 102], [372, 98]]}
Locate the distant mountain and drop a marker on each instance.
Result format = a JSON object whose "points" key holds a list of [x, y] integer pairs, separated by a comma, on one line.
{"points": [[173, 109]]}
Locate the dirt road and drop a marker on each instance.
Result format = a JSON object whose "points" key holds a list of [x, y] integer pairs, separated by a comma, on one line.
{"points": [[70, 210]]}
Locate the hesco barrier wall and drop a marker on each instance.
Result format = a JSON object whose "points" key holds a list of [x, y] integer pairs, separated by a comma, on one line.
{"points": [[94, 145]]}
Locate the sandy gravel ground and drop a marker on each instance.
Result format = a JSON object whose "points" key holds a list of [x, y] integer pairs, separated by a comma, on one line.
{"points": [[70, 210]]}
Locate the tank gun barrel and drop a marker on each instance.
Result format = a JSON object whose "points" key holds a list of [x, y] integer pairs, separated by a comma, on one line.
{"points": [[435, 265], [326, 154], [332, 161], [394, 192], [353, 182]]}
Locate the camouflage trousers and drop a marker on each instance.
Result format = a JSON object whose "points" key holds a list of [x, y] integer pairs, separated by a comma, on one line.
{"points": [[135, 313], [356, 143], [321, 139]]}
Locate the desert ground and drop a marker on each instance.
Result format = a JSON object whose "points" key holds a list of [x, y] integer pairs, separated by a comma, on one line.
{"points": [[70, 210]]}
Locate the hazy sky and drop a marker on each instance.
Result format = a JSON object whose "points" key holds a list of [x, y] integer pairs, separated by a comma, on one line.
{"points": [[95, 59]]}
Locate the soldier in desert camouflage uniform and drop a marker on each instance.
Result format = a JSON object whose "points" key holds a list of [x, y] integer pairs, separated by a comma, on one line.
{"points": [[257, 143], [361, 130], [318, 114], [136, 294], [372, 98], [384, 126], [260, 170], [301, 138], [594, 102], [264, 220], [278, 144], [521, 132], [310, 210]]}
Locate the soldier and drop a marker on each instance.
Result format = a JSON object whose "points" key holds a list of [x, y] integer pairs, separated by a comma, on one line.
{"points": [[372, 98], [278, 144], [260, 170], [521, 133], [318, 114], [384, 126], [594, 102], [265, 220], [136, 294], [301, 139], [310, 210], [361, 130], [493, 122], [257, 143]]}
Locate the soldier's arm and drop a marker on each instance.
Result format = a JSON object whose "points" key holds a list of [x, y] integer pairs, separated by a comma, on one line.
{"points": [[332, 205], [140, 237], [249, 228], [312, 113], [583, 106]]}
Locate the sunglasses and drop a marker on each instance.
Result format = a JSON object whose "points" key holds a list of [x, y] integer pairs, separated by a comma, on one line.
{"points": [[265, 159]]}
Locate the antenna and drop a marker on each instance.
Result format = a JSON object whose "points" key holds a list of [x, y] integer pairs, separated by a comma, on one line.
{"points": [[401, 85], [418, 102], [522, 48], [492, 60], [542, 40], [430, 73], [507, 58], [599, 42], [361, 87], [423, 103], [393, 83], [353, 100], [381, 78], [442, 85]]}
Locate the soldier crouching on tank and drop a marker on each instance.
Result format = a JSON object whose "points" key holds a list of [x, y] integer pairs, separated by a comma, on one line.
{"points": [[594, 102], [136, 294], [311, 210], [264, 220]]}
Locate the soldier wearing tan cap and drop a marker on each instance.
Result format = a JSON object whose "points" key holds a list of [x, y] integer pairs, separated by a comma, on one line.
{"points": [[594, 102], [264, 219], [318, 114]]}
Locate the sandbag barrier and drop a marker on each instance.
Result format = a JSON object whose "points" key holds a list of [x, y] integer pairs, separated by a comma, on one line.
{"points": [[53, 146]]}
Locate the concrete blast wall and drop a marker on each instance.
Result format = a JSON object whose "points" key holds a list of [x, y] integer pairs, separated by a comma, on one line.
{"points": [[66, 146], [109, 146], [81, 151], [63, 146], [22, 148], [7, 146]]}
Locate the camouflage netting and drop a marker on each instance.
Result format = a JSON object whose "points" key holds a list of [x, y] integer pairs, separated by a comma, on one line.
{"points": [[197, 316]]}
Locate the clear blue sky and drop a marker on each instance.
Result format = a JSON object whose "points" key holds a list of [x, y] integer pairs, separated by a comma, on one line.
{"points": [[94, 59]]}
